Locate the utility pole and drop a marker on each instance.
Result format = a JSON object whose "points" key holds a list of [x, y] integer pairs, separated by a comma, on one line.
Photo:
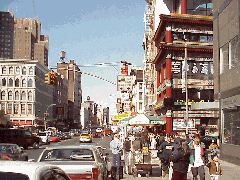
{"points": [[186, 88]]}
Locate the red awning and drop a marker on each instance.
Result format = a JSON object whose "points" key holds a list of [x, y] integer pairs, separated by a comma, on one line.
{"points": [[29, 122], [22, 122]]}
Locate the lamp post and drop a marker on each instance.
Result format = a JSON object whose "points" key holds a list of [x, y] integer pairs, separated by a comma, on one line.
{"points": [[186, 88], [45, 116]]}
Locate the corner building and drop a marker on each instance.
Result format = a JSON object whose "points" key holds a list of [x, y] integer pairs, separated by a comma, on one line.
{"points": [[227, 75]]}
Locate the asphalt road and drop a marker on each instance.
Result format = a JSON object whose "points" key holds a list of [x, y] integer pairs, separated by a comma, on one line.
{"points": [[34, 153]]}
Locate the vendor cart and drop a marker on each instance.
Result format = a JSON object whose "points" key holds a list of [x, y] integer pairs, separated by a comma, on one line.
{"points": [[142, 164]]}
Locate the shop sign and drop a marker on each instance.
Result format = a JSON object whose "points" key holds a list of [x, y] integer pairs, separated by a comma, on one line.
{"points": [[127, 106], [180, 124], [160, 104], [124, 83]]}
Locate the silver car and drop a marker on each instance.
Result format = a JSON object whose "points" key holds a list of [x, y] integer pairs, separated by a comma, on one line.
{"points": [[79, 162], [10, 170]]}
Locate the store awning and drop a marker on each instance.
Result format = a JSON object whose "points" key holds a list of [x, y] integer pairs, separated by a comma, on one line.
{"points": [[143, 119]]}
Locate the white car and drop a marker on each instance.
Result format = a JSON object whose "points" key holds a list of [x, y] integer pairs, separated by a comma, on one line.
{"points": [[79, 162], [10, 170], [44, 137]]}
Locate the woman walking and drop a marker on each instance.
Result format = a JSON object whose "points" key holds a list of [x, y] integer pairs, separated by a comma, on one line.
{"points": [[180, 159]]}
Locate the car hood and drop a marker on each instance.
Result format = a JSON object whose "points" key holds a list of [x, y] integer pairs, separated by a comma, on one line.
{"points": [[70, 167]]}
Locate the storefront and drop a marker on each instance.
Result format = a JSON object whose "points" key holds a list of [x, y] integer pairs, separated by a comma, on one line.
{"points": [[230, 128]]}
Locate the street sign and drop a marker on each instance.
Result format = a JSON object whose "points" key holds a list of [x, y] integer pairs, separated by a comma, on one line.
{"points": [[124, 83]]}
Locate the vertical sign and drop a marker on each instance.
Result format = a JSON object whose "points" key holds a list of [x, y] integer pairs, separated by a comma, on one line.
{"points": [[124, 69]]}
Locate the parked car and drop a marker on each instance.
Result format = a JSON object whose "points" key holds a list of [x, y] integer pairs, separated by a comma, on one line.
{"points": [[67, 135], [12, 152], [85, 137], [45, 137], [54, 138], [79, 162], [10, 170], [105, 158], [60, 135], [96, 134], [21, 137]]}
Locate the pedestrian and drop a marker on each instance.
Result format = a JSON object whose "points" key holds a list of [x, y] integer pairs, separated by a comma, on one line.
{"points": [[177, 140], [214, 147], [214, 168], [115, 147], [153, 142], [127, 152], [164, 153], [180, 159], [188, 139], [198, 157]]}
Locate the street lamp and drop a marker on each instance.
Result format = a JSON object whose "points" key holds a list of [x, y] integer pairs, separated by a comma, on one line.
{"points": [[45, 118]]}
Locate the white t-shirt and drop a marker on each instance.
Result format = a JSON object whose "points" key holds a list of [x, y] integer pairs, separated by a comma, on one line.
{"points": [[198, 159]]}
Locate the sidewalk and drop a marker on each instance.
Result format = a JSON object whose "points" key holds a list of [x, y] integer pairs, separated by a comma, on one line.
{"points": [[230, 172]]}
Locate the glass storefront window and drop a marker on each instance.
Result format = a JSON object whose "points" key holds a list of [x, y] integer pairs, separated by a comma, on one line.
{"points": [[231, 131], [224, 53]]}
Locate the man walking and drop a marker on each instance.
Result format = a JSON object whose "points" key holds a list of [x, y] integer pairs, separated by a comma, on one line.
{"points": [[198, 157], [115, 146], [127, 151]]}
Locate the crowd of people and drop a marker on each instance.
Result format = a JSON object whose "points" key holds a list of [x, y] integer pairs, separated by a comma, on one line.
{"points": [[181, 154]]}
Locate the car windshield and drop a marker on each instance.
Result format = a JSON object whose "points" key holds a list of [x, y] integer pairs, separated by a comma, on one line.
{"points": [[68, 154], [5, 148], [84, 134]]}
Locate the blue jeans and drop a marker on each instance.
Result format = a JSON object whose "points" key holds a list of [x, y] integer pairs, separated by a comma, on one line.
{"points": [[116, 160], [200, 171]]}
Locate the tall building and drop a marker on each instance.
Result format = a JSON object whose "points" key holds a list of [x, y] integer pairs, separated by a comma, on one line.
{"points": [[72, 74], [226, 76], [28, 41], [22, 39], [6, 35], [24, 95]]}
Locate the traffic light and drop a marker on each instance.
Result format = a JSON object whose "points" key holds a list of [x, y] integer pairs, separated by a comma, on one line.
{"points": [[47, 78], [52, 79]]}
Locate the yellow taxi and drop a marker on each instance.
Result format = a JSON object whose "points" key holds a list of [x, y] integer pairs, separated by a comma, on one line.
{"points": [[85, 137]]}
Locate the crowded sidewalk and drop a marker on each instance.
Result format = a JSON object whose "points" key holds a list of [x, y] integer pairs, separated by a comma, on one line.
{"points": [[230, 172]]}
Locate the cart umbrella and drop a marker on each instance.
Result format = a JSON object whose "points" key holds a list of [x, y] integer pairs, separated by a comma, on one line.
{"points": [[143, 119]]}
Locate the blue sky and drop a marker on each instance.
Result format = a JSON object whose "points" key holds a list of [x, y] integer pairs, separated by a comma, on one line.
{"points": [[89, 32]]}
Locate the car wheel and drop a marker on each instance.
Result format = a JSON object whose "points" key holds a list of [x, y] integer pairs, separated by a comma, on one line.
{"points": [[36, 145], [25, 147]]}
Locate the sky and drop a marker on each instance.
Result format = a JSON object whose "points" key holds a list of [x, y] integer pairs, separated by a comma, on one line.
{"points": [[90, 32]]}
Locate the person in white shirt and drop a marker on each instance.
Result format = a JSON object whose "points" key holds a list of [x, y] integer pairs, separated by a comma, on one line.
{"points": [[198, 157]]}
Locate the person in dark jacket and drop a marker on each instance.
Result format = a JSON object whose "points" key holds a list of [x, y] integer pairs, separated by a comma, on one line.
{"points": [[180, 159], [165, 152], [127, 151]]}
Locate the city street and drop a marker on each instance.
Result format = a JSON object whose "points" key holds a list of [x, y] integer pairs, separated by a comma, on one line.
{"points": [[230, 171]]}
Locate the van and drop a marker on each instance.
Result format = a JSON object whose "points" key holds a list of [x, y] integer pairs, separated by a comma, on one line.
{"points": [[21, 137]]}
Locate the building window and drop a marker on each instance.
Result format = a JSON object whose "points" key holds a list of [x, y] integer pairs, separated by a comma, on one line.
{"points": [[16, 108], [24, 70], [140, 106], [17, 70], [140, 86], [24, 83], [23, 95], [3, 82], [22, 108], [10, 82], [17, 83], [196, 7], [3, 95], [4, 70], [30, 96], [224, 53], [10, 95], [17, 95], [3, 107], [29, 108], [11, 70], [30, 83], [9, 108], [140, 96], [30, 71], [233, 53]]}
